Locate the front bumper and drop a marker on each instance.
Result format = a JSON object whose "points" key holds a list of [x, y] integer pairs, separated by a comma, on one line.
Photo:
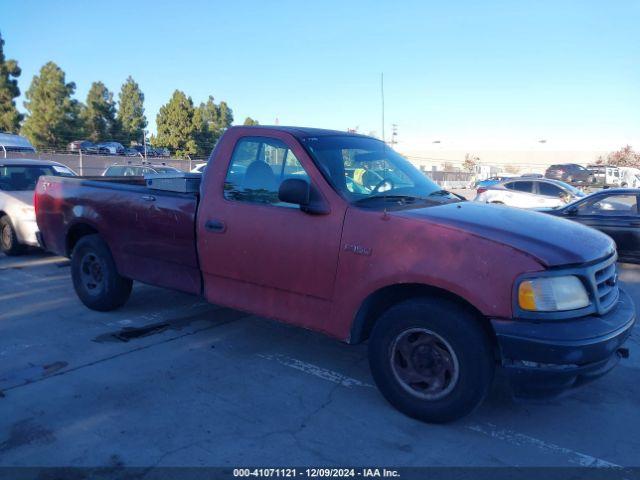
{"points": [[26, 230], [545, 358]]}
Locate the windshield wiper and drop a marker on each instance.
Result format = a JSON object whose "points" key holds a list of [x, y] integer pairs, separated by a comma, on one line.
{"points": [[395, 198], [440, 192]]}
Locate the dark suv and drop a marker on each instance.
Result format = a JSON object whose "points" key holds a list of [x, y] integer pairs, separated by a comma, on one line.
{"points": [[572, 173]]}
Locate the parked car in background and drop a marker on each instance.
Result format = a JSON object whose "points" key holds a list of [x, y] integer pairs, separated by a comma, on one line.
{"points": [[111, 148], [138, 170], [529, 193], [161, 152], [445, 291], [14, 143], [78, 146], [18, 178], [571, 173], [532, 175], [629, 177], [199, 168], [142, 151], [605, 176], [487, 182], [612, 211]]}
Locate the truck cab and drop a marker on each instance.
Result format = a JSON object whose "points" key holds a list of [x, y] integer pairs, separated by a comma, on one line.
{"points": [[337, 233]]}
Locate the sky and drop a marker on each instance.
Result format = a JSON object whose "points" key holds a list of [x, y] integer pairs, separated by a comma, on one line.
{"points": [[464, 74]]}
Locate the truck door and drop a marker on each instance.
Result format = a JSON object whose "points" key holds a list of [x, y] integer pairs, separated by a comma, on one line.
{"points": [[260, 254]]}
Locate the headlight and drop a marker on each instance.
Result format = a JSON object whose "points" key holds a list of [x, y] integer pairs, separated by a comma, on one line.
{"points": [[552, 294]]}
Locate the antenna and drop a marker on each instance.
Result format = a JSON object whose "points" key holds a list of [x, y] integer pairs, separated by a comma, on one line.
{"points": [[382, 98]]}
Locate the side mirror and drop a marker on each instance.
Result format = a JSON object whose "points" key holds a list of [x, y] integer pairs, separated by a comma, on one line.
{"points": [[295, 190], [299, 192], [571, 211]]}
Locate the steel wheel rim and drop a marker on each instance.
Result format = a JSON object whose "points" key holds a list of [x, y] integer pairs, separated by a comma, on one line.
{"points": [[92, 273], [424, 364], [6, 236]]}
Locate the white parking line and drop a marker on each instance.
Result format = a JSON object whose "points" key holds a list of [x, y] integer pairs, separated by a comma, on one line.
{"points": [[316, 371], [522, 440], [488, 429]]}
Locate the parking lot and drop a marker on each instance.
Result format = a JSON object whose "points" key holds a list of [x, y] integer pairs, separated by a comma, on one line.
{"points": [[169, 380]]}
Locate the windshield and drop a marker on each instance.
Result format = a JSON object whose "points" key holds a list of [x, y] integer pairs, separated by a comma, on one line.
{"points": [[573, 190], [14, 178], [361, 169]]}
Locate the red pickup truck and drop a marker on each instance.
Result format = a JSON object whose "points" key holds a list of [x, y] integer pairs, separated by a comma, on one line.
{"points": [[337, 233]]}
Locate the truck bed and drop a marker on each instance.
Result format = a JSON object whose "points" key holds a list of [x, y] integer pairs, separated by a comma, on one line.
{"points": [[151, 232]]}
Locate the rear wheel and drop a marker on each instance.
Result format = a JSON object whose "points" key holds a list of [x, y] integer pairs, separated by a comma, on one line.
{"points": [[9, 244], [95, 277], [431, 359]]}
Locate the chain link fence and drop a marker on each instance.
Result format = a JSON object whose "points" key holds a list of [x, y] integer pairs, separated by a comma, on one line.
{"points": [[89, 165]]}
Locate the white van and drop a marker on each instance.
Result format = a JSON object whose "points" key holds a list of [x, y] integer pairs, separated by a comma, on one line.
{"points": [[629, 177]]}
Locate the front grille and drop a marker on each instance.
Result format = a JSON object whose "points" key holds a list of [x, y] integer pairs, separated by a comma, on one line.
{"points": [[604, 283]]}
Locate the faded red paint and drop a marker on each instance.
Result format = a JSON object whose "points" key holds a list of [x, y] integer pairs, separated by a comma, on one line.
{"points": [[309, 270]]}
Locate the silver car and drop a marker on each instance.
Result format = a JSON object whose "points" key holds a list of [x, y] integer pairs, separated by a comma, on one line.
{"points": [[18, 178]]}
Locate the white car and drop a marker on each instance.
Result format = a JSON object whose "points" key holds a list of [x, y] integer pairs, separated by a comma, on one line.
{"points": [[529, 193], [18, 178]]}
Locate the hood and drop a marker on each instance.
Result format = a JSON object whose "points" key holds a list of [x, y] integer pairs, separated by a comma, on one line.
{"points": [[24, 197], [551, 240]]}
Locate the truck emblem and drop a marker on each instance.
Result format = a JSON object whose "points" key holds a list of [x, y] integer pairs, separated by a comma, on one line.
{"points": [[357, 249]]}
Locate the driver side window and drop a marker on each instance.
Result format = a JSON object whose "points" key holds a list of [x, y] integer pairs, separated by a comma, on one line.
{"points": [[258, 166], [611, 205]]}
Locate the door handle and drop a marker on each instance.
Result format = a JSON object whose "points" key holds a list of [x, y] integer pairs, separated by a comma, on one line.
{"points": [[215, 226], [149, 198]]}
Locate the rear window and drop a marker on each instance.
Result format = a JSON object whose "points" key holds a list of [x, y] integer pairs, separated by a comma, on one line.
{"points": [[17, 178]]}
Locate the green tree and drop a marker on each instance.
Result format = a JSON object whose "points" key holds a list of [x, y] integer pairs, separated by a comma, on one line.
{"points": [[250, 121], [225, 117], [205, 124], [131, 118], [176, 129], [99, 114], [210, 122], [53, 116], [9, 72]]}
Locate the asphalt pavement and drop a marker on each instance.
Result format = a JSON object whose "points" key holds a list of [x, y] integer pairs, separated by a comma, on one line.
{"points": [[169, 380]]}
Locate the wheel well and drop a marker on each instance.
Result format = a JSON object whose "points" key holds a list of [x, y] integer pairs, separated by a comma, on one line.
{"points": [[75, 233], [381, 300]]}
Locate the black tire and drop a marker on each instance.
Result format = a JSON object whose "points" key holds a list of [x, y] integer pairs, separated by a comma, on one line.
{"points": [[9, 244], [624, 185], [95, 277], [455, 330], [497, 202]]}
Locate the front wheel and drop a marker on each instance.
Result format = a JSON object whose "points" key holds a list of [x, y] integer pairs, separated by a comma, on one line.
{"points": [[431, 359], [9, 244], [95, 277]]}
